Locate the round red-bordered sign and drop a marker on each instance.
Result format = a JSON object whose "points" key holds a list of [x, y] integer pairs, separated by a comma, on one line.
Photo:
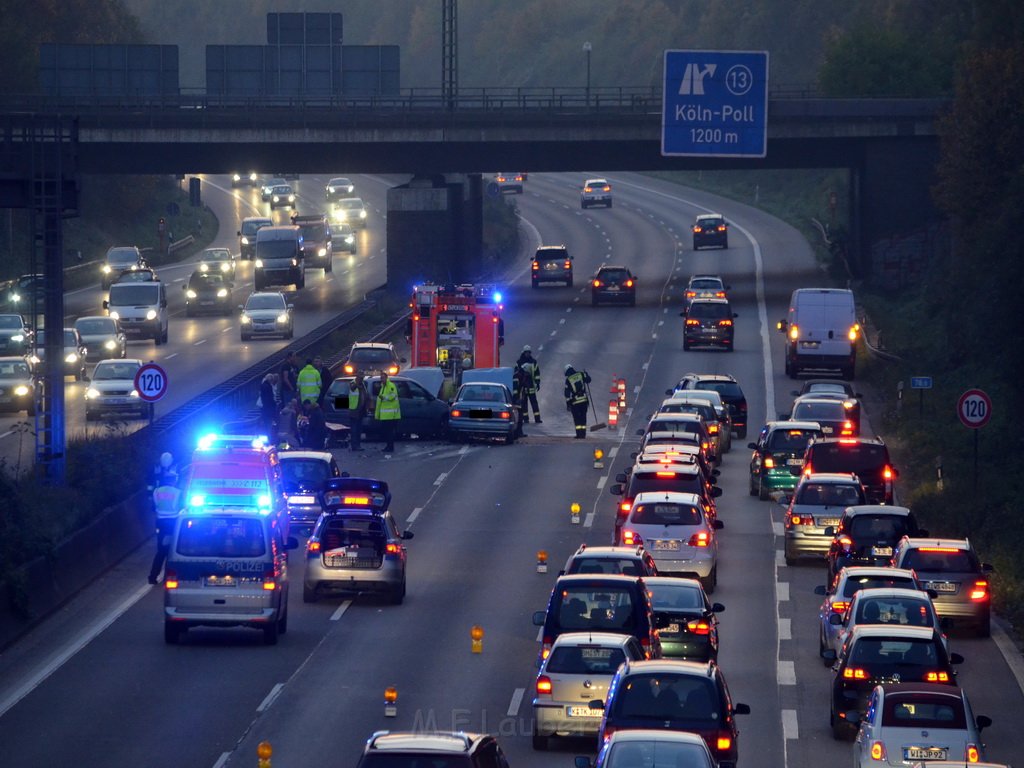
{"points": [[974, 408], [151, 382]]}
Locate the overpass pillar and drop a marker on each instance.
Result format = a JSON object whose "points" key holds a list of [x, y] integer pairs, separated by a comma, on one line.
{"points": [[434, 230]]}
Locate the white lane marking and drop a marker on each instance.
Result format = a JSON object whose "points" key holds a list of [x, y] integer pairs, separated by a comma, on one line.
{"points": [[568, 310], [441, 478], [173, 354], [601, 481], [340, 611], [179, 280], [783, 591], [540, 634], [6, 434], [780, 557], [227, 329], [561, 321], [636, 390], [274, 693], [785, 629], [197, 343], [464, 450], [778, 529], [540, 348], [222, 760], [613, 452], [790, 729], [58, 661], [664, 311], [1006, 647], [661, 322], [654, 335], [413, 515], [588, 521], [644, 366], [553, 333], [787, 673], [517, 700]]}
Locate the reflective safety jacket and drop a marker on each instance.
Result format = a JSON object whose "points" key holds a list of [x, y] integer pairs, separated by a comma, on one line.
{"points": [[388, 407], [166, 499], [532, 368], [308, 384], [575, 387]]}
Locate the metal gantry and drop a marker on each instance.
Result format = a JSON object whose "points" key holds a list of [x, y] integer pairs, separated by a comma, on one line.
{"points": [[449, 51]]}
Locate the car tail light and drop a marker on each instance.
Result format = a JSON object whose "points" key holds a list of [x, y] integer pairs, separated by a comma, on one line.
{"points": [[972, 754], [392, 549], [645, 643], [855, 673], [597, 283], [699, 627], [696, 229], [567, 264], [947, 550], [878, 751], [854, 330], [171, 580], [980, 591], [545, 646], [936, 677], [769, 462], [847, 428], [665, 474], [606, 188], [846, 543], [887, 473], [624, 507], [350, 368], [505, 415], [721, 227], [392, 370], [700, 539], [313, 545], [692, 322], [794, 332], [723, 743], [690, 294], [840, 606], [808, 469], [631, 538], [629, 283], [543, 685], [456, 413], [713, 429], [536, 266], [720, 295], [801, 519], [726, 323]]}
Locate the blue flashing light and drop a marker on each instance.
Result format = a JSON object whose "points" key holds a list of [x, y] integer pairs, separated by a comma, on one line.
{"points": [[206, 441], [497, 297], [260, 442], [197, 500], [263, 501]]}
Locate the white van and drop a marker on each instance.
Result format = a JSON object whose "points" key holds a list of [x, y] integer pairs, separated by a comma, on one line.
{"points": [[141, 308], [821, 331]]}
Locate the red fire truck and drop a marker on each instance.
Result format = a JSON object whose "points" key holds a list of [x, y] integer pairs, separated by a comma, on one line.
{"points": [[456, 327]]}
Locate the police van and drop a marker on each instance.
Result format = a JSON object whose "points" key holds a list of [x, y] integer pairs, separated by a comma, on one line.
{"points": [[227, 565]]}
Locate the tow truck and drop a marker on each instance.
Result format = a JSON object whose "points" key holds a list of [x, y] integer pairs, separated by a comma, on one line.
{"points": [[456, 327]]}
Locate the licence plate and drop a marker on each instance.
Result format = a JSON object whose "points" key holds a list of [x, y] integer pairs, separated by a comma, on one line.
{"points": [[942, 586], [830, 521], [809, 344], [116, 400], [827, 430], [672, 629], [666, 545], [878, 551], [209, 303], [479, 413], [220, 581], [582, 712], [612, 288], [795, 463], [552, 267], [924, 753]]}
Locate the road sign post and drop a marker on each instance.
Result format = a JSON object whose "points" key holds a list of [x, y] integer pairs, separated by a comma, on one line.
{"points": [[920, 383], [151, 384], [715, 104], [974, 409]]}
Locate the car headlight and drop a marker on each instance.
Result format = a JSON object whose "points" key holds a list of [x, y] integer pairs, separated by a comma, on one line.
{"points": [[340, 214], [18, 338], [246, 320], [21, 390], [190, 293], [106, 269], [322, 253], [245, 240], [253, 176], [236, 177], [225, 266], [204, 267], [349, 239], [115, 314], [133, 393], [362, 214], [295, 262], [110, 344], [259, 264], [282, 318], [15, 297], [91, 394], [276, 198], [330, 190], [222, 293], [34, 359], [291, 198], [71, 358], [151, 314]]}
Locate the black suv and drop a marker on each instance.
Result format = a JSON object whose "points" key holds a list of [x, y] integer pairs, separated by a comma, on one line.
{"points": [[730, 391], [551, 264], [874, 654], [709, 323], [867, 535], [613, 285], [674, 695], [601, 603], [416, 749], [865, 457], [208, 292]]}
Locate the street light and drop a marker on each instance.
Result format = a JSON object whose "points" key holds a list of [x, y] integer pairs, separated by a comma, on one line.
{"points": [[586, 49]]}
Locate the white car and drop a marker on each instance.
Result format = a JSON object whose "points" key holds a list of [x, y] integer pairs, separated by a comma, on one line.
{"points": [[266, 313], [112, 390], [596, 192]]}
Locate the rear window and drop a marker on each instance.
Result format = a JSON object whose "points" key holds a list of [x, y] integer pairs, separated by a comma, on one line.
{"points": [[853, 586], [665, 514], [934, 560], [888, 527], [790, 440], [923, 711], [669, 697], [710, 222], [609, 565], [665, 597], [893, 652], [670, 481], [596, 607], [351, 532], [585, 660], [905, 611], [706, 412], [829, 495], [702, 285], [656, 753], [210, 536], [727, 389], [858, 458], [668, 425], [426, 759], [613, 275], [832, 411], [709, 310]]}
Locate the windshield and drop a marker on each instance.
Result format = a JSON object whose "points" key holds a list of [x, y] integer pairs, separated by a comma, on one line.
{"points": [[665, 514], [371, 355], [860, 458], [122, 256], [95, 326], [831, 411], [879, 527], [339, 182], [924, 710], [613, 275], [710, 222], [595, 607], [217, 254], [905, 611], [12, 322], [276, 249], [383, 759], [203, 280], [880, 652], [69, 338], [131, 294], [642, 482], [13, 369], [250, 227], [655, 753], [313, 232], [485, 394], [349, 203], [305, 472], [610, 565], [829, 495], [265, 301], [669, 696], [219, 537]]}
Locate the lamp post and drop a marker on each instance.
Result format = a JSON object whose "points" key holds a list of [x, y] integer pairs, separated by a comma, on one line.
{"points": [[586, 49]]}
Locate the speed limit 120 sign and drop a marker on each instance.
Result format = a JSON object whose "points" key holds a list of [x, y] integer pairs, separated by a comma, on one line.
{"points": [[151, 382], [974, 408]]}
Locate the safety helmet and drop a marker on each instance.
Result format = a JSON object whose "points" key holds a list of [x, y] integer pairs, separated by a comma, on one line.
{"points": [[166, 460], [569, 369], [527, 348]]}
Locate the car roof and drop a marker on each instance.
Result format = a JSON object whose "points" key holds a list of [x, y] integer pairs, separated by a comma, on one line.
{"points": [[961, 544], [650, 734], [121, 361], [676, 497], [712, 377], [855, 571], [597, 179], [672, 581], [835, 478], [551, 248], [708, 300], [706, 277], [585, 551], [869, 592], [457, 742], [791, 424], [265, 293], [321, 455], [583, 578], [895, 689], [373, 345], [709, 216], [591, 638], [704, 668], [876, 509], [892, 630]]}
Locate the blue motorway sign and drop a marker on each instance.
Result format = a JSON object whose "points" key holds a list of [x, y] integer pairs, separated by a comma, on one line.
{"points": [[920, 382], [715, 104]]}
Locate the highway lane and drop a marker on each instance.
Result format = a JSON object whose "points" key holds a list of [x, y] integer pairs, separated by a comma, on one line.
{"points": [[201, 345], [480, 513]]}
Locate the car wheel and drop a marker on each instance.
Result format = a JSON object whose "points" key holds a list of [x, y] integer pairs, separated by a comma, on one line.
{"points": [[609, 203], [540, 742], [762, 491], [166, 335], [751, 488], [533, 283], [158, 339], [301, 283], [839, 729], [308, 595], [695, 246], [568, 283], [711, 581], [790, 560], [31, 411], [593, 301], [172, 633], [398, 594], [282, 625], [270, 633], [686, 344], [725, 244], [510, 438]]}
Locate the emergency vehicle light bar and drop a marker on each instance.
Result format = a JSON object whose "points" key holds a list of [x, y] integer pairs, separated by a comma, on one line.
{"points": [[213, 440]]}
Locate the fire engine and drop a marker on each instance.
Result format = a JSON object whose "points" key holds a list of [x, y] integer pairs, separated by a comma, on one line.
{"points": [[455, 327]]}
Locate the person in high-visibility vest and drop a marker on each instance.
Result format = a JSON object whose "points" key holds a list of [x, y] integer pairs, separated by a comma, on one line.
{"points": [[529, 364], [308, 382], [388, 411], [576, 399], [358, 405], [167, 503]]}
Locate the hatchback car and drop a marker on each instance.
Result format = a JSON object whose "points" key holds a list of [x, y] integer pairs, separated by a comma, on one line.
{"points": [[551, 264], [905, 722], [613, 285], [120, 259], [691, 631], [814, 508], [351, 211], [344, 237], [596, 192], [952, 570], [887, 605], [102, 336], [17, 385], [247, 235], [709, 323], [266, 313], [355, 548], [730, 390], [661, 479], [705, 287], [844, 586], [509, 182], [779, 447], [208, 292], [710, 229], [577, 671], [685, 422], [73, 355], [339, 187], [217, 260], [676, 696], [282, 196], [112, 390], [418, 749], [371, 357], [709, 406], [875, 654], [866, 457], [629, 561], [23, 291], [837, 418], [15, 335], [250, 179], [305, 475], [482, 409], [676, 529], [867, 535]]}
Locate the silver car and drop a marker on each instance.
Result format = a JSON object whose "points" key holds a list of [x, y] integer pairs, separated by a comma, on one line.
{"points": [[102, 336], [577, 671], [817, 504], [907, 722], [304, 474], [266, 313], [887, 605], [484, 409], [112, 390], [596, 192], [355, 550], [351, 211], [678, 533]]}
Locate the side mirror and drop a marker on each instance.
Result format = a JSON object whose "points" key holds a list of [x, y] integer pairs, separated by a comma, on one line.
{"points": [[615, 489], [717, 607], [633, 455], [829, 654], [292, 543], [735, 315], [239, 233], [946, 624], [783, 417], [983, 721], [820, 590], [741, 709], [752, 446], [715, 472], [932, 594], [795, 393], [538, 618], [406, 535], [835, 620], [715, 492], [106, 304], [683, 313], [561, 572], [668, 392], [718, 525], [956, 658], [620, 478]]}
